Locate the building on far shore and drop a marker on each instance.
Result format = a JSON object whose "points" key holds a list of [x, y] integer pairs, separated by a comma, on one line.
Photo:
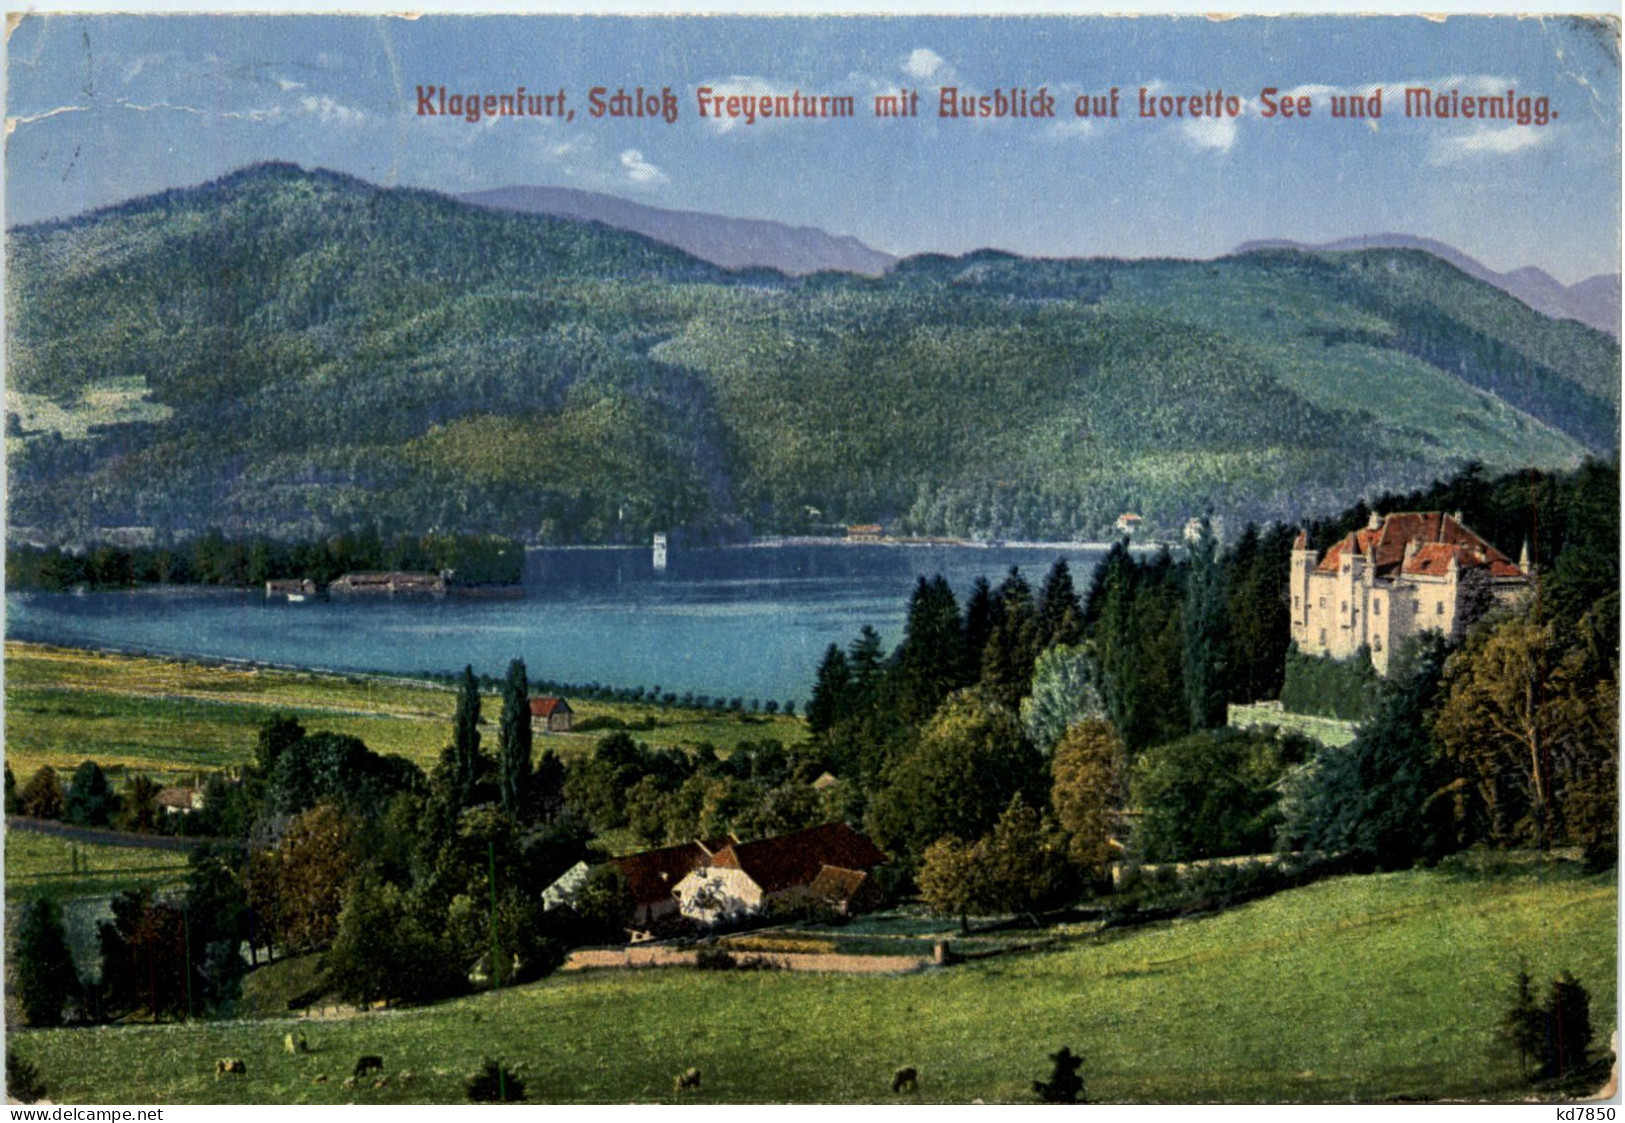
{"points": [[1403, 574], [399, 582], [555, 714]]}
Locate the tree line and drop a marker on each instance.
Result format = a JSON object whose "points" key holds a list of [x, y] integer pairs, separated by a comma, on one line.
{"points": [[213, 559]]}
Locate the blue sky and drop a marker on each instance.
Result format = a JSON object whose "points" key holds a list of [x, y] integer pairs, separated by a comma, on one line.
{"points": [[102, 108]]}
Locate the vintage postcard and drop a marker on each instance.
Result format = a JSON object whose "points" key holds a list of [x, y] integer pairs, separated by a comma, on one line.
{"points": [[746, 559]]}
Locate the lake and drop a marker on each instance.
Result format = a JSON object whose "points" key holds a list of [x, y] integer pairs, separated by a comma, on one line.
{"points": [[748, 622]]}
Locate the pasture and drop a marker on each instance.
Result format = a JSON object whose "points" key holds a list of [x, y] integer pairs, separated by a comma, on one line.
{"points": [[171, 718], [1370, 988], [39, 865]]}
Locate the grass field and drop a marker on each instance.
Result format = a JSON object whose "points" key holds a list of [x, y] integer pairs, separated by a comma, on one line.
{"points": [[38, 863], [1353, 989], [171, 718]]}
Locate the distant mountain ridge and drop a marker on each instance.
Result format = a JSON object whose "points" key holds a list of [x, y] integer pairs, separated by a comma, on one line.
{"points": [[291, 353], [1594, 301], [732, 243]]}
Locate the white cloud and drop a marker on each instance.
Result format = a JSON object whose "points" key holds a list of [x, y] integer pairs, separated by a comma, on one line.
{"points": [[287, 85], [1214, 134], [640, 171], [922, 62], [330, 112], [1487, 141]]}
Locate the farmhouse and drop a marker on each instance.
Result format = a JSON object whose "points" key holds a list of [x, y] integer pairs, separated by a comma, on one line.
{"points": [[652, 876], [1403, 574], [826, 866], [179, 801], [554, 714], [1128, 523]]}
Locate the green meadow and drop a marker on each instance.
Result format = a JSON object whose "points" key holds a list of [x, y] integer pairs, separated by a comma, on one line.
{"points": [[171, 719], [44, 865], [1371, 988]]}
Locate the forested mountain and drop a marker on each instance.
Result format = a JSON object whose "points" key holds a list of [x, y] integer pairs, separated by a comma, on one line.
{"points": [[733, 243], [1593, 301], [291, 353]]}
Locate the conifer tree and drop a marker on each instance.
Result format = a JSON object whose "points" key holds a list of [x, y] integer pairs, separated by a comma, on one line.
{"points": [[831, 693], [465, 745], [1059, 612], [514, 740], [44, 971], [1207, 636]]}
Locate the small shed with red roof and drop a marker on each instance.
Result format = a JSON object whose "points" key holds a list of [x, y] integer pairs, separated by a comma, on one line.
{"points": [[554, 714]]}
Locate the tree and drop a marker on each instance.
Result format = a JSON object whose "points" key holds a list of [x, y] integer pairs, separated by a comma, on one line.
{"points": [[90, 801], [315, 863], [1014, 642], [931, 660], [605, 905], [466, 763], [1059, 612], [1519, 712], [1018, 862], [1064, 1086], [956, 778], [277, 734], [138, 809], [146, 956], [1087, 791], [44, 971], [949, 879], [11, 781], [1384, 796], [23, 1082], [1207, 636], [494, 1083], [42, 795], [1523, 1024], [1063, 693], [1211, 794], [381, 951], [1568, 1021], [514, 741]]}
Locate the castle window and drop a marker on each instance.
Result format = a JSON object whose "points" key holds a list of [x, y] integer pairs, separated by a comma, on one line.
{"points": [[1323, 637], [1376, 644], [1323, 602], [1344, 607], [1376, 608], [1438, 609], [1295, 603]]}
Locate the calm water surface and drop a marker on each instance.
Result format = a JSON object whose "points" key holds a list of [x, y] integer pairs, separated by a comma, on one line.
{"points": [[751, 623]]}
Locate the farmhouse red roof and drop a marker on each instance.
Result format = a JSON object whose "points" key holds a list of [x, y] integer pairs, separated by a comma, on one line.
{"points": [[798, 858], [547, 707], [653, 874]]}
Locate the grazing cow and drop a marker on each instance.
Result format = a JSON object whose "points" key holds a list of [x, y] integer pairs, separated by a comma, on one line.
{"points": [[368, 1064], [905, 1080], [229, 1066], [686, 1080], [296, 1043]]}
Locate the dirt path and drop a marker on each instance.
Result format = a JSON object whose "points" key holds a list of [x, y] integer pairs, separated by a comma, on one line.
{"points": [[600, 958], [99, 837]]}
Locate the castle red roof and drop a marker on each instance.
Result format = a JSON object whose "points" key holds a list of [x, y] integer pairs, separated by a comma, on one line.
{"points": [[1439, 539]]}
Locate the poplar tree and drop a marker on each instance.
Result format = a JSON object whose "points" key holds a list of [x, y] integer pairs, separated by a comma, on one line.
{"points": [[465, 744], [514, 746]]}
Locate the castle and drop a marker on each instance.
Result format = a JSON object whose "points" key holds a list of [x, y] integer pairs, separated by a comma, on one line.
{"points": [[1402, 575]]}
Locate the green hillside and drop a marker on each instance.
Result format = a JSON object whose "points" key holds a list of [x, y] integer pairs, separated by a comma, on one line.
{"points": [[291, 353], [1357, 989]]}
